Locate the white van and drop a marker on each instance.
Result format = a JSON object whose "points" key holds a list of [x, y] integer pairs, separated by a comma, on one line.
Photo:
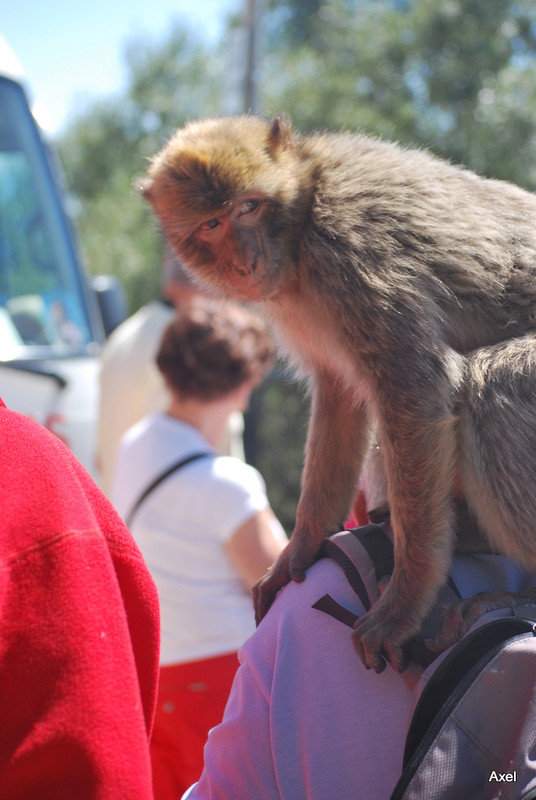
{"points": [[52, 320]]}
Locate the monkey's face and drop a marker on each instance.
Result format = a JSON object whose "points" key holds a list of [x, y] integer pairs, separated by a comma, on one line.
{"points": [[237, 251], [228, 196]]}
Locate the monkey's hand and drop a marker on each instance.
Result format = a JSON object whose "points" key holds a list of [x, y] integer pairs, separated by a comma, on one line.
{"points": [[299, 554], [461, 616], [380, 634]]}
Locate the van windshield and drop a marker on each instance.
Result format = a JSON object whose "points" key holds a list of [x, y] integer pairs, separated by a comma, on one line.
{"points": [[43, 309]]}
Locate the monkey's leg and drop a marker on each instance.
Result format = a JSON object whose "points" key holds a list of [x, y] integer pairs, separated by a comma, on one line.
{"points": [[373, 483], [418, 434], [337, 441], [497, 459]]}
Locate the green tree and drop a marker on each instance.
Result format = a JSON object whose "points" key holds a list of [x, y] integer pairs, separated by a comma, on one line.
{"points": [[108, 145], [455, 76]]}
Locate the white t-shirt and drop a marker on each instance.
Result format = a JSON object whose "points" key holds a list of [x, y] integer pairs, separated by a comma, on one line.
{"points": [[181, 529]]}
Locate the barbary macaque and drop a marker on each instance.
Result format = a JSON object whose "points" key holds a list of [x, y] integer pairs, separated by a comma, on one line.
{"points": [[405, 288]]}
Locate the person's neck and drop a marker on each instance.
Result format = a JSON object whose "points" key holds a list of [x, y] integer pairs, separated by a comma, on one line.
{"points": [[209, 418]]}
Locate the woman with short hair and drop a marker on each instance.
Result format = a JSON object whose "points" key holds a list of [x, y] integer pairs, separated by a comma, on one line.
{"points": [[206, 530]]}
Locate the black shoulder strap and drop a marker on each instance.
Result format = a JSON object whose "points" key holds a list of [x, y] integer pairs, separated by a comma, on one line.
{"points": [[162, 477], [366, 556], [466, 660]]}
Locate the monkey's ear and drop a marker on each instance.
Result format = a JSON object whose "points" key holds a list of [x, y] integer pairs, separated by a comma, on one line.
{"points": [[144, 186], [280, 133]]}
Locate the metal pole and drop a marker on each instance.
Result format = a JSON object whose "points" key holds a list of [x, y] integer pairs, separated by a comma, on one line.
{"points": [[251, 100]]}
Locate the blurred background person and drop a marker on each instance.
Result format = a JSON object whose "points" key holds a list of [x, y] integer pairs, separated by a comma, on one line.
{"points": [[131, 386], [206, 531]]}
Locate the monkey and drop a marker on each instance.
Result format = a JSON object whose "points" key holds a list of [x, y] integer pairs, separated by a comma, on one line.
{"points": [[403, 288]]}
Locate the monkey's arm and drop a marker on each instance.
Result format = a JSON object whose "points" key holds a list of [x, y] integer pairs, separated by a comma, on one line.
{"points": [[337, 441]]}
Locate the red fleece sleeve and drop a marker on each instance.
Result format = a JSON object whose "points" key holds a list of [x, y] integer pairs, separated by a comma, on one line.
{"points": [[78, 632]]}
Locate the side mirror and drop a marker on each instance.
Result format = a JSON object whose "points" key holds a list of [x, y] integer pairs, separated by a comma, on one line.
{"points": [[111, 300]]}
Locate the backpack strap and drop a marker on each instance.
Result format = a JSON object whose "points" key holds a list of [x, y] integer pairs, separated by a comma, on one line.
{"points": [[162, 477], [476, 648], [450, 688], [366, 555]]}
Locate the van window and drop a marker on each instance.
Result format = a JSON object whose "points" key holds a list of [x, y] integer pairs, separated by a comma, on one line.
{"points": [[43, 309]]}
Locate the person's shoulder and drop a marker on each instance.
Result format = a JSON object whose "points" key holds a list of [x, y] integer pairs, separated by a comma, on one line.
{"points": [[146, 427], [233, 473], [294, 619], [234, 469], [138, 329], [138, 457], [154, 314], [24, 442], [122, 333], [33, 458], [46, 492], [325, 576]]}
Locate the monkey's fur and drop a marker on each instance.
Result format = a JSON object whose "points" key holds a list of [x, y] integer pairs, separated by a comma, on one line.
{"points": [[405, 288]]}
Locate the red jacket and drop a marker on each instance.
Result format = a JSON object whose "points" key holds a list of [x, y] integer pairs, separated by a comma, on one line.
{"points": [[78, 631]]}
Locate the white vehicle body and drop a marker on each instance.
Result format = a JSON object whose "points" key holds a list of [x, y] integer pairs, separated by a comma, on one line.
{"points": [[51, 327]]}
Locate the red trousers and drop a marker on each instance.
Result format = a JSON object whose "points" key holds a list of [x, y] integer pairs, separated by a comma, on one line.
{"points": [[191, 700]]}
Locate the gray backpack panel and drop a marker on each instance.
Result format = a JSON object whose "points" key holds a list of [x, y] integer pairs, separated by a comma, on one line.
{"points": [[472, 734]]}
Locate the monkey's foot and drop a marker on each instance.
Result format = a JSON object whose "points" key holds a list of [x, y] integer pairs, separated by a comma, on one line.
{"points": [[461, 616], [291, 564]]}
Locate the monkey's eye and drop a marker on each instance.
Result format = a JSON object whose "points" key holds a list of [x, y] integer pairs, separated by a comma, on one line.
{"points": [[210, 225], [248, 206]]}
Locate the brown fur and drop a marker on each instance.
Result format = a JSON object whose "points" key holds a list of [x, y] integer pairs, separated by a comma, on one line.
{"points": [[383, 270]]}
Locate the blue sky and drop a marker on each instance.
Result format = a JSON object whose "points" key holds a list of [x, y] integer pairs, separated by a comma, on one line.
{"points": [[72, 51]]}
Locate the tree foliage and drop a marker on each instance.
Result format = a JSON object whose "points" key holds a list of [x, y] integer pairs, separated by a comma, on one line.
{"points": [[456, 76]]}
